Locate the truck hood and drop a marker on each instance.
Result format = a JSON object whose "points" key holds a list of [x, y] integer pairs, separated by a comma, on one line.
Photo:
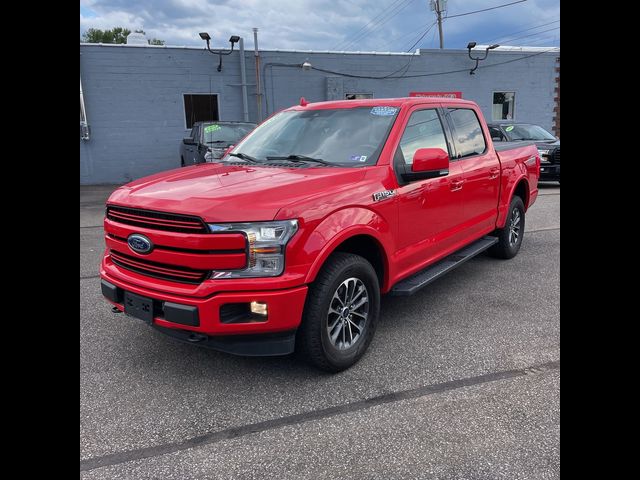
{"points": [[231, 193]]}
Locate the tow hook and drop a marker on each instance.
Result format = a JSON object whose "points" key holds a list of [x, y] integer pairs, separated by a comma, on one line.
{"points": [[115, 310], [196, 337]]}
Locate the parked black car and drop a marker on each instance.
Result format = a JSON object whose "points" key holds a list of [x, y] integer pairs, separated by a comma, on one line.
{"points": [[548, 145], [208, 140]]}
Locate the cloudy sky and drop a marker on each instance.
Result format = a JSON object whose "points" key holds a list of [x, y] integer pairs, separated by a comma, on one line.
{"points": [[365, 25]]}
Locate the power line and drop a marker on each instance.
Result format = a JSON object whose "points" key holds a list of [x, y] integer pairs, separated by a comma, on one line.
{"points": [[433, 38], [422, 36], [380, 22], [484, 9], [506, 35], [366, 25], [545, 39], [531, 34], [431, 74], [393, 40], [373, 22]]}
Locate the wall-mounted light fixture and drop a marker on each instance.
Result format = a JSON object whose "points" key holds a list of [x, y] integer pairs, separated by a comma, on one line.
{"points": [[471, 45], [232, 40]]}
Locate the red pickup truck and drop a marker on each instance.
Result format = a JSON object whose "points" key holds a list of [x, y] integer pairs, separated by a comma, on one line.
{"points": [[288, 241]]}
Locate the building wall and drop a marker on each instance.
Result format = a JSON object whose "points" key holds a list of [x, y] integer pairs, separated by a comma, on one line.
{"points": [[134, 103]]}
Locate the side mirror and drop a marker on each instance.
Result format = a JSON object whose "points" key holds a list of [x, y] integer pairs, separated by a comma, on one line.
{"points": [[188, 141], [428, 163]]}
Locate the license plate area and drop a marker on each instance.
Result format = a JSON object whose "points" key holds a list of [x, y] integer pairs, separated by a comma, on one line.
{"points": [[139, 307]]}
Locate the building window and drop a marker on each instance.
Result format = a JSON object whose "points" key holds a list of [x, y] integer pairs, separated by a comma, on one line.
{"points": [[200, 107], [356, 96], [504, 104]]}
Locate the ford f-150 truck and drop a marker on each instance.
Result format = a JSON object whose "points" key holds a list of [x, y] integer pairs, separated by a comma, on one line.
{"points": [[288, 241]]}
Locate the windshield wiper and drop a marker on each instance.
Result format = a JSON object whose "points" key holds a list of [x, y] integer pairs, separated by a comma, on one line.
{"points": [[302, 158], [220, 141], [244, 156]]}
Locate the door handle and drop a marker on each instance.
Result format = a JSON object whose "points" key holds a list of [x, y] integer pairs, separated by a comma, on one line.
{"points": [[494, 173], [456, 185]]}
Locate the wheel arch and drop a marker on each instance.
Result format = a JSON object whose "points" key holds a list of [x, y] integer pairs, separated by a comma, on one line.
{"points": [[520, 188], [361, 240]]}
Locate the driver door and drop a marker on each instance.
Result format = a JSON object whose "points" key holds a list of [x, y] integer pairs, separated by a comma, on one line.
{"points": [[430, 210], [190, 150]]}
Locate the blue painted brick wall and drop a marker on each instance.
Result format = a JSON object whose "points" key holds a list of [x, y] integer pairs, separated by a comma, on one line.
{"points": [[134, 103]]}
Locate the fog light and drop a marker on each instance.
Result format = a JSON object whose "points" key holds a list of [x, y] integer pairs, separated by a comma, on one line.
{"points": [[259, 308]]}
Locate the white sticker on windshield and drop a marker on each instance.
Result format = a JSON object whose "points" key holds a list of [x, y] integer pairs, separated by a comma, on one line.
{"points": [[384, 111], [358, 158]]}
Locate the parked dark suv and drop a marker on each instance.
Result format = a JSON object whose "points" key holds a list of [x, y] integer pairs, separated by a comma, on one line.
{"points": [[209, 140], [548, 145]]}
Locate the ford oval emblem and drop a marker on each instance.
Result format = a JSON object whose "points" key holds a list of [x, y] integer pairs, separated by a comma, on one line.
{"points": [[139, 243]]}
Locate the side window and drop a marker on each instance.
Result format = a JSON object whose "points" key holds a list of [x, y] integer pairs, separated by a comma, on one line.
{"points": [[194, 133], [423, 130], [496, 134], [467, 134]]}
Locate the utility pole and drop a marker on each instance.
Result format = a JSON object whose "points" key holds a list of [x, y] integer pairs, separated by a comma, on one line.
{"points": [[439, 6], [258, 86]]}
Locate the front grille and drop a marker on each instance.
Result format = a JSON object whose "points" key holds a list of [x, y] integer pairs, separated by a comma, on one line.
{"points": [[169, 222], [556, 155], [159, 270]]}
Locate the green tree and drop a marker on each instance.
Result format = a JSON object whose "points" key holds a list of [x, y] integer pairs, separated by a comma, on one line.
{"points": [[115, 35]]}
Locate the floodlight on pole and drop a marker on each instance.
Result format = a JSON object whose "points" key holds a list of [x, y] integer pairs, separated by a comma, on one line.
{"points": [[471, 45], [232, 40]]}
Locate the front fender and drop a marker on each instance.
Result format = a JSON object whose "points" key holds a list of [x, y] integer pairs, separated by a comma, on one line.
{"points": [[342, 225]]}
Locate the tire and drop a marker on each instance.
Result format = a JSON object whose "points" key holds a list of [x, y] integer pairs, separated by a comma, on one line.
{"points": [[343, 275], [509, 241]]}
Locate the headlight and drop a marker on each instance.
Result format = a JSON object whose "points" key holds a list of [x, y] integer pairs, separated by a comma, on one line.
{"points": [[267, 242], [543, 152]]}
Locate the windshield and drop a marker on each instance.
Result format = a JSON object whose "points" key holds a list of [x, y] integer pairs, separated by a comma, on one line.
{"points": [[343, 136], [527, 132], [225, 133]]}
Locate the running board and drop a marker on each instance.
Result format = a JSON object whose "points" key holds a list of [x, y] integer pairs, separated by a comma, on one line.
{"points": [[415, 282]]}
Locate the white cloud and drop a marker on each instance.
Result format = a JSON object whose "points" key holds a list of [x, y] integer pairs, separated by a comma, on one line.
{"points": [[309, 24]]}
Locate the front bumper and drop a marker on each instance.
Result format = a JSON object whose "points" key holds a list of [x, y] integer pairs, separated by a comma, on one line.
{"points": [[549, 172], [199, 320]]}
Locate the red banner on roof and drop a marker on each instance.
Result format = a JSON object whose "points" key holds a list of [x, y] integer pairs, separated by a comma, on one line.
{"points": [[436, 94]]}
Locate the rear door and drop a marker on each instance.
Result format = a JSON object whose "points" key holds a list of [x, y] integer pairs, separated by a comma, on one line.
{"points": [[481, 167], [430, 210]]}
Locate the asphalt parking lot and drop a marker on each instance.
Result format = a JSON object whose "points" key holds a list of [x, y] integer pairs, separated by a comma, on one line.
{"points": [[461, 381]]}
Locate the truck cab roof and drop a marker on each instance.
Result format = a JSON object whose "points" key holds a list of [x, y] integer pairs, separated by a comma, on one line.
{"points": [[380, 102]]}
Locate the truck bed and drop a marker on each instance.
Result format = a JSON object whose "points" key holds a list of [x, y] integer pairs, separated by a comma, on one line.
{"points": [[502, 146]]}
